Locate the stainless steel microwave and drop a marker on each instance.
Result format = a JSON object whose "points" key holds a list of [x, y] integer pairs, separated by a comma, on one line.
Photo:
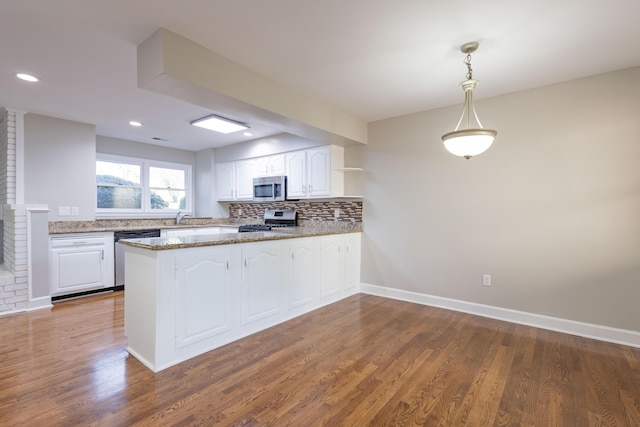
{"points": [[270, 188]]}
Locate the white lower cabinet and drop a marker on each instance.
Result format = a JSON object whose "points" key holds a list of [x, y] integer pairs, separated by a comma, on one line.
{"points": [[180, 303], [261, 281], [331, 266], [304, 271], [339, 265], [352, 255], [80, 262], [203, 295]]}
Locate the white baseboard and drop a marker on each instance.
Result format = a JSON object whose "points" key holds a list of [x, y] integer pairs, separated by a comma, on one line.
{"points": [[39, 303], [34, 304], [587, 330], [8, 312]]}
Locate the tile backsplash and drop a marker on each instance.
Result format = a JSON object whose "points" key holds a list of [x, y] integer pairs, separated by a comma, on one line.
{"points": [[350, 210]]}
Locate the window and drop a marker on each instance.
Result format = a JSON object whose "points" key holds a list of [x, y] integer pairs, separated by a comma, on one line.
{"points": [[139, 187]]}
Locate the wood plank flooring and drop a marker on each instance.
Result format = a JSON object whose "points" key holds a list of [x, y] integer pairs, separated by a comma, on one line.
{"points": [[364, 361]]}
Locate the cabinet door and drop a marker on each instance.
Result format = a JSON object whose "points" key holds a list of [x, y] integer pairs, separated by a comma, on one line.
{"points": [[226, 181], [304, 285], [261, 166], [261, 290], [277, 164], [319, 172], [244, 179], [352, 262], [332, 266], [203, 296], [76, 269], [296, 174]]}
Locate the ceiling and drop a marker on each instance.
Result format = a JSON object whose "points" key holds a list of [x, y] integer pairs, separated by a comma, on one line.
{"points": [[372, 59]]}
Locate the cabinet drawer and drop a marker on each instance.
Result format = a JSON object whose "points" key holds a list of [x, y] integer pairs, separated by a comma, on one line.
{"points": [[58, 242]]}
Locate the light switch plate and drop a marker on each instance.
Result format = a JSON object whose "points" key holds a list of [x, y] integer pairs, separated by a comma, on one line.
{"points": [[64, 211], [486, 280]]}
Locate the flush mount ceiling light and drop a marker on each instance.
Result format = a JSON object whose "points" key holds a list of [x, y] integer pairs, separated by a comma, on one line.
{"points": [[135, 123], [471, 141], [219, 124], [27, 77]]}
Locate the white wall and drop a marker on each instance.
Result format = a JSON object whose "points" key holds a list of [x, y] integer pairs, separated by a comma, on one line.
{"points": [[551, 211], [59, 163], [206, 186]]}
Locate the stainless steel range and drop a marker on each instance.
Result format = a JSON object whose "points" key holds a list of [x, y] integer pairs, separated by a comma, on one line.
{"points": [[273, 218]]}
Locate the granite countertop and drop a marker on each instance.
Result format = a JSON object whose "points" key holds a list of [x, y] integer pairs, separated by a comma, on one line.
{"points": [[192, 241], [107, 225]]}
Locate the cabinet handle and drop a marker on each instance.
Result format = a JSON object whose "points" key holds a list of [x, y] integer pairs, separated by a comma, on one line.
{"points": [[292, 255], [102, 253], [227, 265], [245, 262]]}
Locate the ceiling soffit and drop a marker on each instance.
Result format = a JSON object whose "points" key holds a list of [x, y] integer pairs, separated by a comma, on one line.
{"points": [[175, 66]]}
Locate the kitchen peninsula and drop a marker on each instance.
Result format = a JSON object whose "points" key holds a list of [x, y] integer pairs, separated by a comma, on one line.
{"points": [[187, 295]]}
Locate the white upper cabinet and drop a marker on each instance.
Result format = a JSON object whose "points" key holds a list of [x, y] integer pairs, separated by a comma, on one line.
{"points": [[296, 171], [270, 165], [319, 172], [245, 172], [235, 179], [312, 173], [226, 173]]}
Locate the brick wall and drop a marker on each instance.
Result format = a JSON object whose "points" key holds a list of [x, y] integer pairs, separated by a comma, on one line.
{"points": [[14, 281], [7, 156], [14, 293]]}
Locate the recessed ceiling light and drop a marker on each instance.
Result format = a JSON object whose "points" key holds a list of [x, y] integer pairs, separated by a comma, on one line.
{"points": [[134, 123], [247, 134], [219, 124], [27, 77]]}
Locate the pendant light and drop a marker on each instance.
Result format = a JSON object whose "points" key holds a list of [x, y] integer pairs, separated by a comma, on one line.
{"points": [[471, 141]]}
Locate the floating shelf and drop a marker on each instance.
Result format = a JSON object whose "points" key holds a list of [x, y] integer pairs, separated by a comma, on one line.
{"points": [[348, 169]]}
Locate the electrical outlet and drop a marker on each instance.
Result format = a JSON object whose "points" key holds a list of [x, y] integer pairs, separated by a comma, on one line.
{"points": [[75, 211], [336, 213], [240, 212], [486, 280], [64, 211]]}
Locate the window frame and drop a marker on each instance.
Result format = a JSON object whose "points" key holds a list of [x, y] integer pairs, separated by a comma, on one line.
{"points": [[145, 210]]}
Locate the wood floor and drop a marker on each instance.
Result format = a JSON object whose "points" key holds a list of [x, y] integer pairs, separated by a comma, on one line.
{"points": [[365, 361]]}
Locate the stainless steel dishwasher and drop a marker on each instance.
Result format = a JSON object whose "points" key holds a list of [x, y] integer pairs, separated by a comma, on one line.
{"points": [[119, 251]]}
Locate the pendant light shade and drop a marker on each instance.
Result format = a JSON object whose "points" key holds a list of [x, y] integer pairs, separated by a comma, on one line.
{"points": [[470, 141]]}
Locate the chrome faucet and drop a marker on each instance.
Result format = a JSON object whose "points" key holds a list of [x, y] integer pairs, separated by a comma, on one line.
{"points": [[179, 217]]}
